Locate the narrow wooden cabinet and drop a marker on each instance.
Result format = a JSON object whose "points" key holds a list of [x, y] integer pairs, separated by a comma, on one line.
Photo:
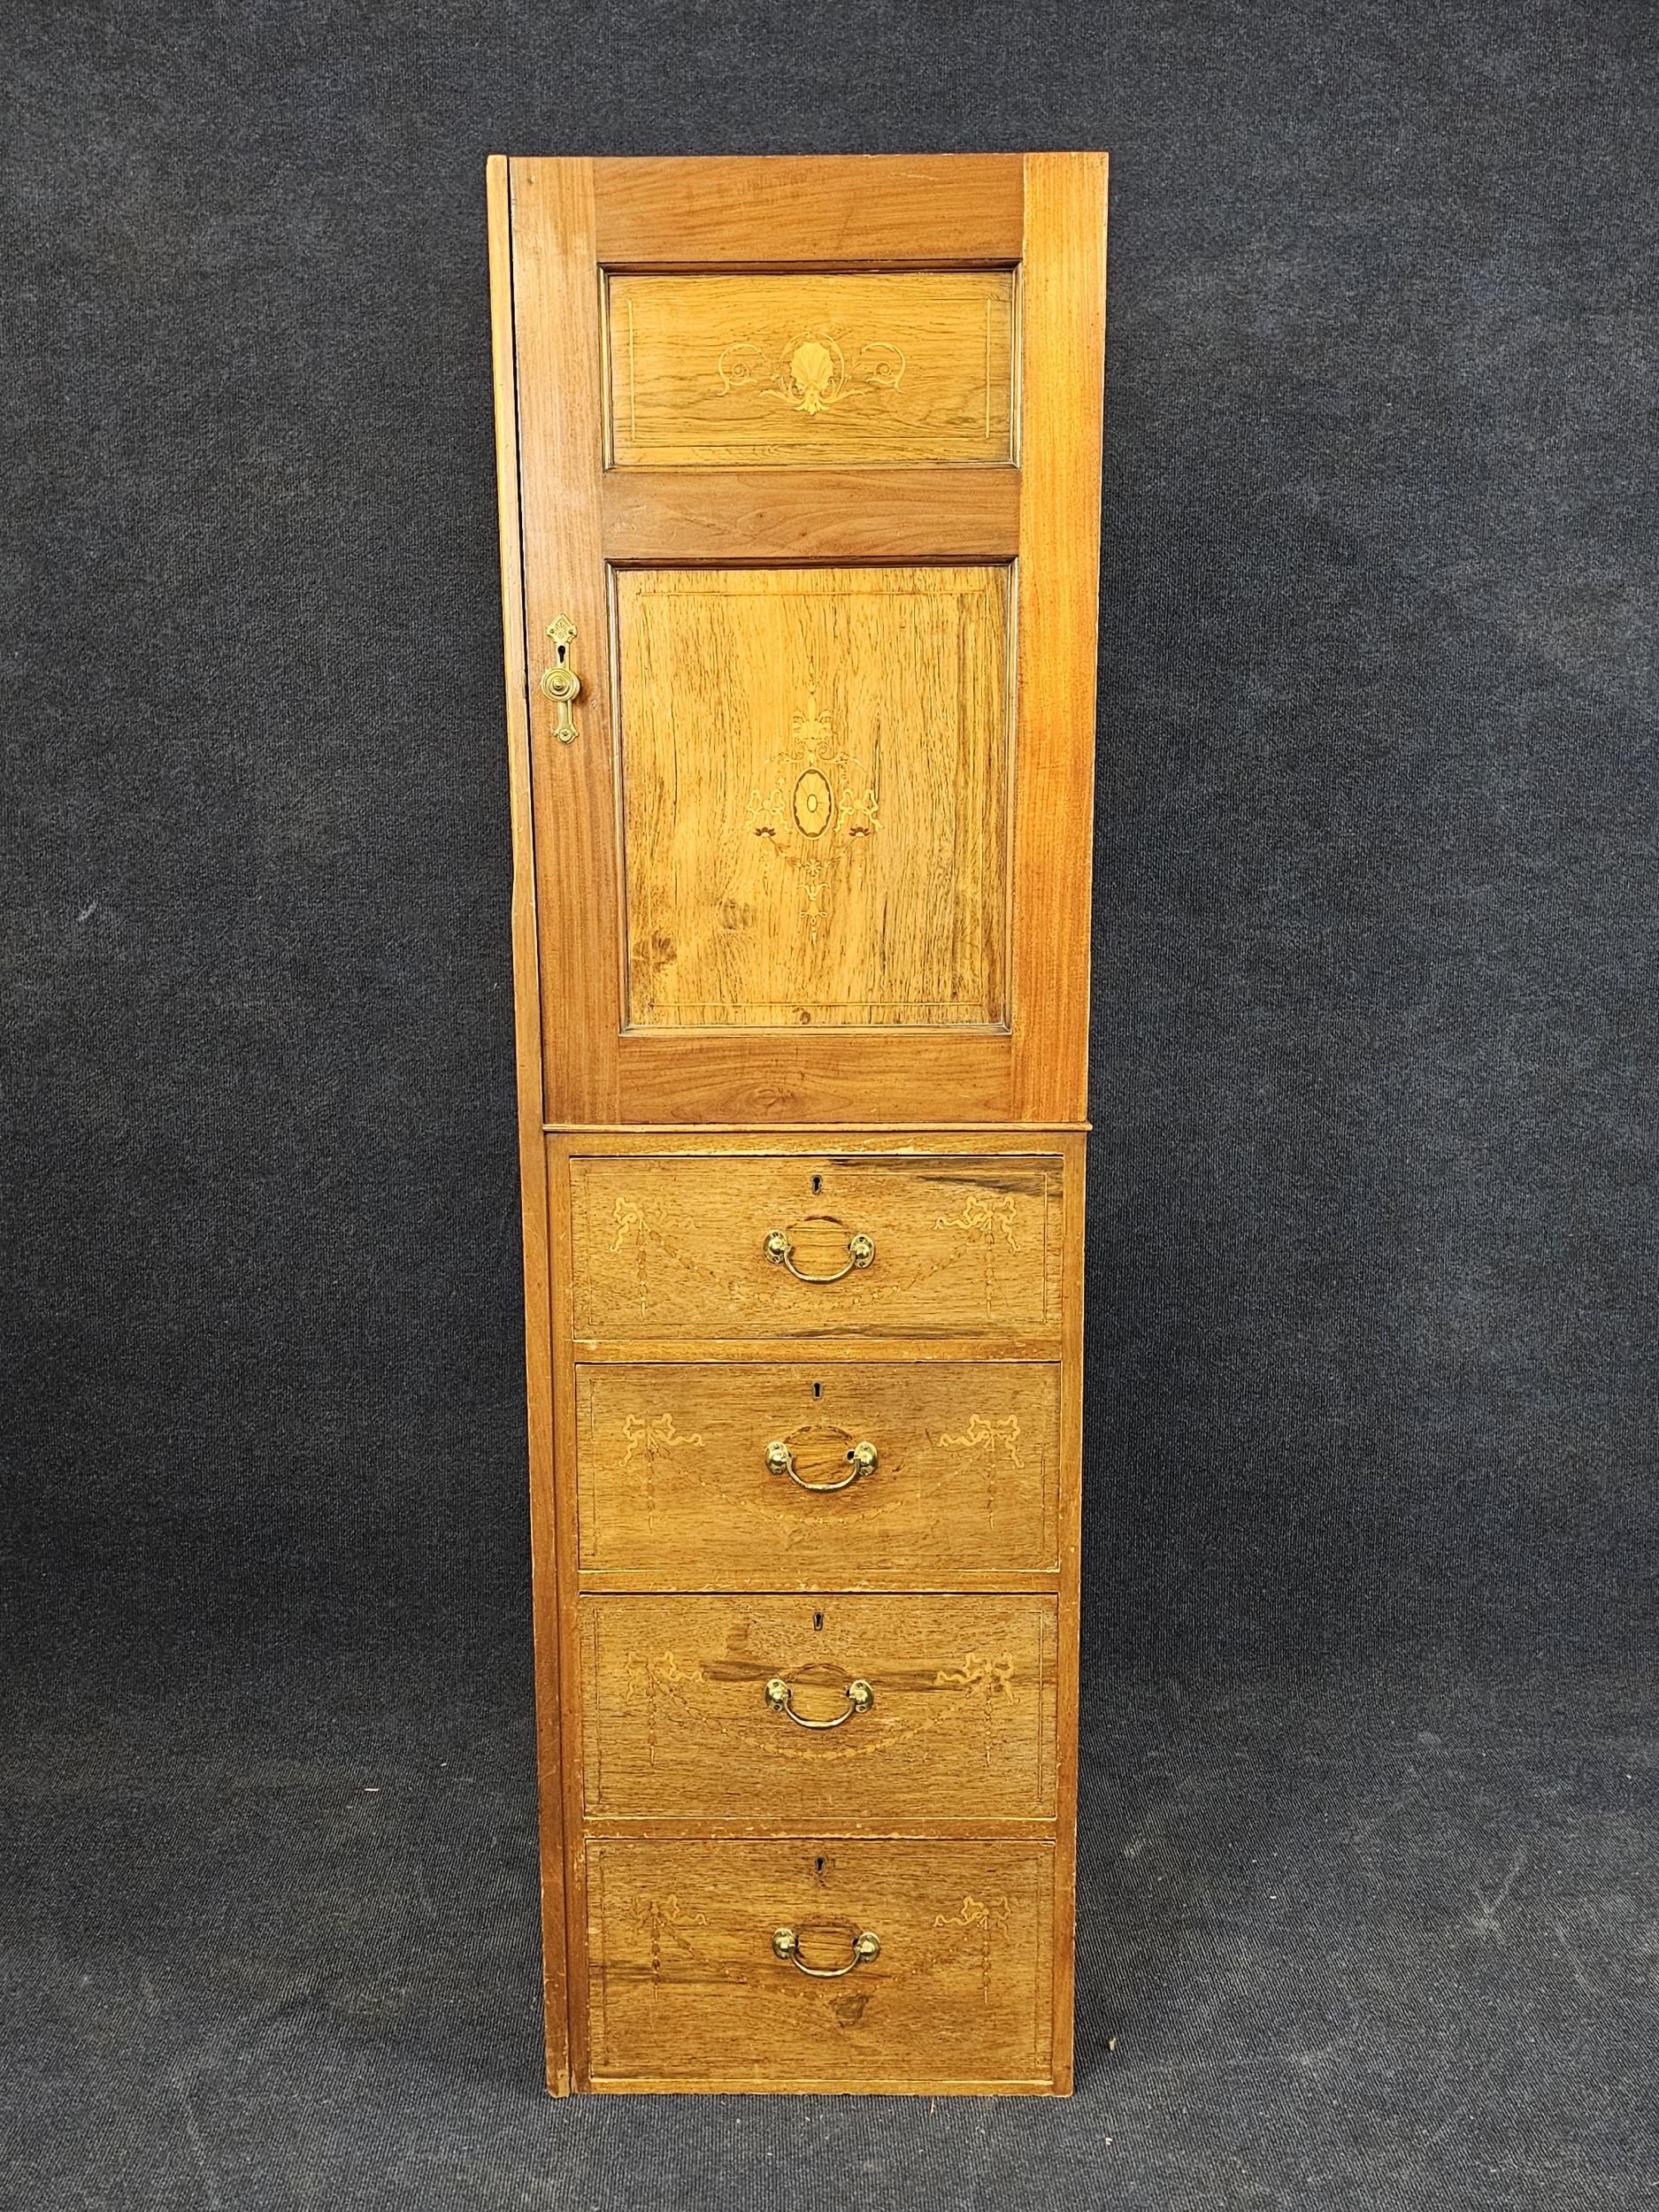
{"points": [[799, 467]]}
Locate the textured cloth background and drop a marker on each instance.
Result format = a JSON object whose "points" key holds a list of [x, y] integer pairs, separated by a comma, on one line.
{"points": [[1371, 1910]]}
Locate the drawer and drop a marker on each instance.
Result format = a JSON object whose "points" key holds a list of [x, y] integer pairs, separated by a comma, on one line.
{"points": [[688, 1987], [733, 1246], [857, 1711], [680, 1477]]}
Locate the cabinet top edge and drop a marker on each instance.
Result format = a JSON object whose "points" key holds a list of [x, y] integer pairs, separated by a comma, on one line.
{"points": [[919, 158]]}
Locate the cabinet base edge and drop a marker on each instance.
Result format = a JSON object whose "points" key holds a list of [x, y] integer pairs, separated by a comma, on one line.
{"points": [[723, 2086]]}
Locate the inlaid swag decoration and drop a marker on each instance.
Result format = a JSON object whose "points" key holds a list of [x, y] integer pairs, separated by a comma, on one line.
{"points": [[811, 370], [812, 373]]}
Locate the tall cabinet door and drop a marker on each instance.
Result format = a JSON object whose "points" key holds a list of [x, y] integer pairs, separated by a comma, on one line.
{"points": [[808, 481]]}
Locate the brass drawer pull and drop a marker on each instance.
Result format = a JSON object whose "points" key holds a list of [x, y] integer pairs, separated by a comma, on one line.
{"points": [[787, 1944], [860, 1251], [780, 1460], [860, 1698]]}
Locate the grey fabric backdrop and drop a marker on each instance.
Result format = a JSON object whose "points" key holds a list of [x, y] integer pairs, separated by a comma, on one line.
{"points": [[1372, 1354]]}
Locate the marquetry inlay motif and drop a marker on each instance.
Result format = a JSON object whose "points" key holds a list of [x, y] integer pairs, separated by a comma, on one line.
{"points": [[989, 1437], [994, 1676], [988, 1216], [812, 373], [802, 799], [807, 370], [649, 1438], [675, 1477], [974, 1914], [797, 463], [679, 1245], [815, 776], [679, 1717], [959, 1922]]}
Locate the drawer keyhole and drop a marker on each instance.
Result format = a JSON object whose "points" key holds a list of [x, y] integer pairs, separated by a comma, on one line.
{"points": [[817, 1620], [818, 1185], [818, 1390]]}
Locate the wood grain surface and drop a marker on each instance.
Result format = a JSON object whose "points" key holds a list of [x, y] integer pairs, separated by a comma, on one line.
{"points": [[810, 371], [532, 1158], [555, 324], [807, 450], [815, 775], [808, 211], [1063, 340], [675, 1720], [686, 1987], [675, 1244], [1036, 227], [658, 517], [675, 1489]]}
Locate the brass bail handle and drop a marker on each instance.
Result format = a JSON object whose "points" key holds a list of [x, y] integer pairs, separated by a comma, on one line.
{"points": [[561, 683], [860, 1251], [787, 1945], [780, 1460], [779, 1694]]}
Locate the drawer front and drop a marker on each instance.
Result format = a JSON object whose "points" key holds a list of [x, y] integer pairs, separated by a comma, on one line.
{"points": [[679, 1475], [687, 1984], [881, 1245], [857, 1711]]}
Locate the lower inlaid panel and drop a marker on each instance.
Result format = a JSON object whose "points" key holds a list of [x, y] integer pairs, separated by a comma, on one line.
{"points": [[825, 1474], [857, 1711], [815, 793], [691, 1985]]}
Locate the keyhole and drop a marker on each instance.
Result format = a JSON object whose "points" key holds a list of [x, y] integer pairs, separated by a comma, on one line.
{"points": [[818, 1185], [818, 1390], [817, 1620], [818, 1867]]}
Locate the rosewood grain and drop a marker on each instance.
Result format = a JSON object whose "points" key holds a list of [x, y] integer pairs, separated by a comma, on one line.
{"points": [[840, 856], [798, 472], [677, 1245], [688, 1991], [1002, 1047], [680, 1482], [677, 1722], [812, 372]]}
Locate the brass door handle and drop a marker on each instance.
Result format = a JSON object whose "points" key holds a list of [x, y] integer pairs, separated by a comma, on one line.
{"points": [[860, 1251], [561, 683], [780, 1460], [787, 1945], [860, 1698]]}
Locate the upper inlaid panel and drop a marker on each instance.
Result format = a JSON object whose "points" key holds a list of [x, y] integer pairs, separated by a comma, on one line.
{"points": [[811, 370]]}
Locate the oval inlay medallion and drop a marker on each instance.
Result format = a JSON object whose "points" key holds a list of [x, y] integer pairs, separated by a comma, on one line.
{"points": [[814, 802]]}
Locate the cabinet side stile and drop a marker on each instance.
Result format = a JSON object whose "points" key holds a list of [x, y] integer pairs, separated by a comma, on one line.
{"points": [[531, 1149]]}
